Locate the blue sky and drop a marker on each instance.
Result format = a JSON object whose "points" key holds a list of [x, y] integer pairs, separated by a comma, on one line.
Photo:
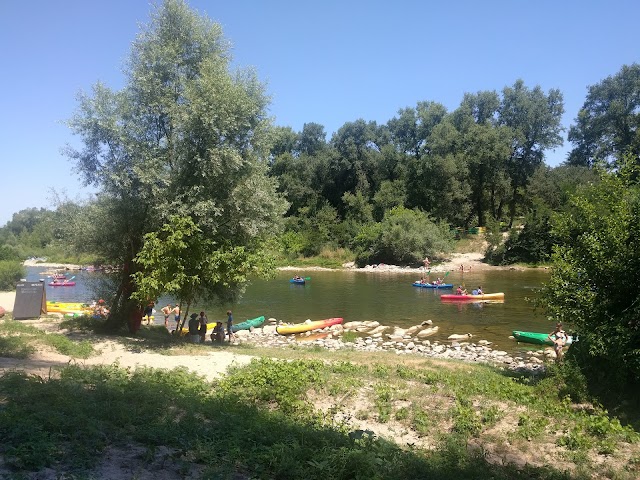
{"points": [[328, 62]]}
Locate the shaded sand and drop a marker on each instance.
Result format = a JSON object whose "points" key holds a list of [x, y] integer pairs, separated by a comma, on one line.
{"points": [[44, 361]]}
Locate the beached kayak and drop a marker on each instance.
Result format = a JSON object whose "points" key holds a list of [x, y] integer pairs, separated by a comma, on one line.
{"points": [[537, 338], [248, 324], [431, 285], [472, 298], [62, 284], [68, 307], [210, 327], [307, 326]]}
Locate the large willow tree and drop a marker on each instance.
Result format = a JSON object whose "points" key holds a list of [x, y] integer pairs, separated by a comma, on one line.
{"points": [[186, 137]]}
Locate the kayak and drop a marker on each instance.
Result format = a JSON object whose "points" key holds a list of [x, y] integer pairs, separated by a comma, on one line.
{"points": [[431, 285], [68, 307], [537, 338], [473, 298], [297, 281], [248, 324], [307, 326], [210, 327], [62, 284]]}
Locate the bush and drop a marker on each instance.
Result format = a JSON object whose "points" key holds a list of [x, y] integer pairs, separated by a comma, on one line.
{"points": [[11, 272], [403, 237]]}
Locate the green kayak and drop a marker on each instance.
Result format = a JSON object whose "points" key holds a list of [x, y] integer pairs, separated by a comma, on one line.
{"points": [[537, 338], [248, 324]]}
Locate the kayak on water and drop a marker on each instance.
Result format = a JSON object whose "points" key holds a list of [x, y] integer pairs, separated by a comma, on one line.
{"points": [[537, 338], [297, 281], [473, 298], [62, 284], [307, 326], [432, 285]]}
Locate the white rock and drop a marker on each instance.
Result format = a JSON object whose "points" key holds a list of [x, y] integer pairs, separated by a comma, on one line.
{"points": [[457, 336]]}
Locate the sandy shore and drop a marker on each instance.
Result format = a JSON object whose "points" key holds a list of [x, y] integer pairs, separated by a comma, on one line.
{"points": [[44, 361]]}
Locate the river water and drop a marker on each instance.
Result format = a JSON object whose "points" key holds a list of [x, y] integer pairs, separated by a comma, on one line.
{"points": [[386, 297]]}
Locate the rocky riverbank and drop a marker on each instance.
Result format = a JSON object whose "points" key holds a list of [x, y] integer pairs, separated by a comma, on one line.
{"points": [[373, 337]]}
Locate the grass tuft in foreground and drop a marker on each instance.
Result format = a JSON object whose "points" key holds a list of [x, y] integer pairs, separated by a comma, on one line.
{"points": [[18, 340]]}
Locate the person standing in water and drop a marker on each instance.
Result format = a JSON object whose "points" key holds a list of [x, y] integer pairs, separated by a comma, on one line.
{"points": [[176, 315]]}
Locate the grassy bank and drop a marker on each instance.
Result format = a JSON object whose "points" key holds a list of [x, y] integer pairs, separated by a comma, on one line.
{"points": [[300, 413]]}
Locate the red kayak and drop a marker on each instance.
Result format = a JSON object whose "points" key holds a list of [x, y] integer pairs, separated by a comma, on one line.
{"points": [[62, 284]]}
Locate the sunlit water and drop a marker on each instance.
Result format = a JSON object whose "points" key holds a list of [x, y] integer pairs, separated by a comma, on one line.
{"points": [[386, 297]]}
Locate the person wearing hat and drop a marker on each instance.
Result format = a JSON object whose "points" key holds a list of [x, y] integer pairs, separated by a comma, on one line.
{"points": [[194, 324]]}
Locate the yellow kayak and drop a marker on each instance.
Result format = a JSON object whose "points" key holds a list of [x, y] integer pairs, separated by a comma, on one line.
{"points": [[305, 327], [68, 307], [210, 327]]}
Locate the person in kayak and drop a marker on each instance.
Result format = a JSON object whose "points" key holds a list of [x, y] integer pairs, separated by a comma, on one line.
{"points": [[479, 290], [559, 339], [461, 291]]}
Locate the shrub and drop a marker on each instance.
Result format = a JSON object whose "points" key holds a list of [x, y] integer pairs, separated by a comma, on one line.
{"points": [[11, 272]]}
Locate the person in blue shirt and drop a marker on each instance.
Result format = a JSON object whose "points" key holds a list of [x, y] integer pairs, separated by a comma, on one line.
{"points": [[230, 325]]}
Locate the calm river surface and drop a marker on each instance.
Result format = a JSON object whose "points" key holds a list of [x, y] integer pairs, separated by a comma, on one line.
{"points": [[386, 297]]}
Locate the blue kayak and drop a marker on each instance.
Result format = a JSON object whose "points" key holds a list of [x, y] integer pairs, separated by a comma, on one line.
{"points": [[297, 281], [431, 285]]}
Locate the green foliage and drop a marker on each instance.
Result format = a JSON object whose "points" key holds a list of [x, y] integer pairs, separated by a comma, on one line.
{"points": [[11, 272], [403, 237], [607, 124], [466, 421], [185, 137], [19, 340], [593, 286], [532, 244], [264, 415], [181, 261]]}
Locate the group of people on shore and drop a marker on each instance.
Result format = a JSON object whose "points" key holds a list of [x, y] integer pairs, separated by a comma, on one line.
{"points": [[198, 328]]}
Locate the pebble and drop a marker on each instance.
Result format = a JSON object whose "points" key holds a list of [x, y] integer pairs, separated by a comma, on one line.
{"points": [[403, 342]]}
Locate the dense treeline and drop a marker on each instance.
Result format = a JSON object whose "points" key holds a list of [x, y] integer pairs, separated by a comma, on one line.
{"points": [[469, 167]]}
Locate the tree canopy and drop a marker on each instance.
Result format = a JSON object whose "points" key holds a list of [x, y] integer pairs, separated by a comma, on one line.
{"points": [[608, 124], [185, 137], [594, 283]]}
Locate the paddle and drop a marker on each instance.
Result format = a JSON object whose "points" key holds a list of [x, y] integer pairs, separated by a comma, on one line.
{"points": [[307, 278], [67, 280]]}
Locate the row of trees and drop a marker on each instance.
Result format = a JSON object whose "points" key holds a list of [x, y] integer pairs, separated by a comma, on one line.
{"points": [[465, 167]]}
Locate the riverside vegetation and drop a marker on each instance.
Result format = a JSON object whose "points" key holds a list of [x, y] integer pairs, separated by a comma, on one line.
{"points": [[298, 412]]}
